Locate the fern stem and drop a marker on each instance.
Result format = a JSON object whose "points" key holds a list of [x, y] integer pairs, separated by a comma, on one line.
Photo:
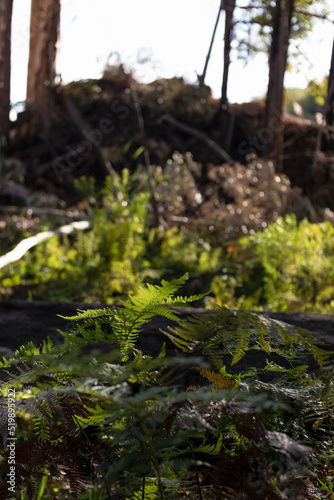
{"points": [[196, 473], [156, 467]]}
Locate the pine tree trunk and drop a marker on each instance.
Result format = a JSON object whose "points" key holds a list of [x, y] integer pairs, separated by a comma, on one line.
{"points": [[277, 66], [329, 111], [6, 8], [229, 10], [44, 30], [273, 66]]}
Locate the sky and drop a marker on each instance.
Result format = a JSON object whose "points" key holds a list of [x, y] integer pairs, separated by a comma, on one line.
{"points": [[174, 35]]}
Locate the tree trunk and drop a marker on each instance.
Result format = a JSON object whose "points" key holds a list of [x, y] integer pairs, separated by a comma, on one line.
{"points": [[6, 8], [329, 111], [277, 65], [273, 66], [44, 30], [229, 10]]}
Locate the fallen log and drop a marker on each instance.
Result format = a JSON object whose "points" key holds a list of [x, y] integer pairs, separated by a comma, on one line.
{"points": [[23, 321]]}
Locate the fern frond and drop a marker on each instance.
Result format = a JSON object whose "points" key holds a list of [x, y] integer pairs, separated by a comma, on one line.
{"points": [[221, 332], [42, 428], [211, 449], [127, 321], [220, 382], [91, 315]]}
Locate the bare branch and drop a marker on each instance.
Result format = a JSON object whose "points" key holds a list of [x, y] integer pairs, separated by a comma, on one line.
{"points": [[27, 243], [220, 152]]}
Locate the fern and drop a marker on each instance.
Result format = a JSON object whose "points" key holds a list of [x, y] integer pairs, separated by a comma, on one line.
{"points": [[126, 322], [220, 382], [211, 449], [42, 428], [224, 332], [117, 417]]}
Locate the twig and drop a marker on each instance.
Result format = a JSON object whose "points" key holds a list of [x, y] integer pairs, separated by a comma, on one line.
{"points": [[41, 169], [53, 212], [196, 473], [26, 244], [220, 152], [85, 131], [158, 219], [296, 137], [201, 77]]}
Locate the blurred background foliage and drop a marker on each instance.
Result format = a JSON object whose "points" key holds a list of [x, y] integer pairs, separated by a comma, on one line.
{"points": [[287, 267]]}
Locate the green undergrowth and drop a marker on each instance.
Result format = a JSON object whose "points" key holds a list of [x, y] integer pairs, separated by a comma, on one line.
{"points": [[287, 267], [120, 251], [120, 422]]}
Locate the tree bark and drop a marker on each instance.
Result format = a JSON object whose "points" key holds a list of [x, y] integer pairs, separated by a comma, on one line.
{"points": [[277, 65], [229, 10], [6, 8], [273, 66], [44, 30], [329, 105]]}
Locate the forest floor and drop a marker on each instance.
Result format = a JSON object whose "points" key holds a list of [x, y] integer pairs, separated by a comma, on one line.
{"points": [[206, 180]]}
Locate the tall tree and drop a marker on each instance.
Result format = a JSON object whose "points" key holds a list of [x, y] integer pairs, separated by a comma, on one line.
{"points": [[255, 19], [229, 6], [44, 30], [6, 9], [270, 25], [329, 105], [277, 65]]}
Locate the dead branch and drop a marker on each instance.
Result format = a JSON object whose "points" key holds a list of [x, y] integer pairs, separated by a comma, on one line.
{"points": [[220, 152], [201, 77], [141, 124], [47, 212], [41, 169], [85, 131], [25, 245]]}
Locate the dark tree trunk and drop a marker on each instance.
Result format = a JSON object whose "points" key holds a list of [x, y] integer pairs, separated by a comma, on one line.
{"points": [[329, 111], [229, 6], [44, 30], [277, 65], [273, 65], [6, 8]]}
